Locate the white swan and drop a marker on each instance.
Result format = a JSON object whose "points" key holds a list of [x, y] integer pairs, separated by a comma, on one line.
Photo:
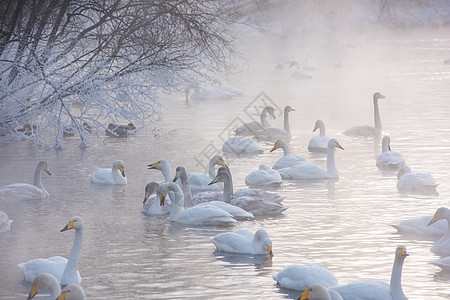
{"points": [[288, 159], [65, 271], [311, 171], [319, 292], [244, 241], [45, 281], [238, 145], [319, 143], [389, 159], [272, 134], [419, 226], [300, 277], [443, 263], [196, 215], [250, 129], [25, 191], [5, 222], [265, 175], [200, 182], [219, 93], [369, 130], [237, 212], [151, 204], [256, 201], [419, 182], [115, 175], [375, 289], [442, 246], [300, 72], [72, 292]]}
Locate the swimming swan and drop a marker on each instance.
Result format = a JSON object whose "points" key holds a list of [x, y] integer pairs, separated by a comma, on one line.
{"points": [[265, 175], [319, 143], [250, 129], [311, 171], [115, 175], [25, 191], [272, 134], [375, 289], [300, 72], [389, 159], [195, 215], [421, 226], [64, 270], [442, 246], [219, 93], [151, 204], [244, 241], [319, 292], [45, 281], [300, 277], [415, 182], [369, 130], [288, 159]]}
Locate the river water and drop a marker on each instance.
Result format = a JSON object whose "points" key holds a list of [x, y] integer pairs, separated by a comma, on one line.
{"points": [[343, 224]]}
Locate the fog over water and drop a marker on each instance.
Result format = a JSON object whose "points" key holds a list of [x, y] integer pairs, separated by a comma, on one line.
{"points": [[341, 224]]}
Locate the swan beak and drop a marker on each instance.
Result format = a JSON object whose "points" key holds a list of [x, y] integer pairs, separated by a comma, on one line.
{"points": [[273, 148], [162, 199], [122, 170], [433, 220], [339, 146], [382, 96], [68, 226], [389, 147], [146, 197], [223, 164], [214, 181], [153, 166], [176, 178], [403, 252], [305, 295], [48, 172], [269, 250], [33, 292], [63, 296]]}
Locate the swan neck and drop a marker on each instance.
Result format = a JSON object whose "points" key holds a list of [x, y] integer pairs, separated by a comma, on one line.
{"points": [[376, 113], [322, 129], [178, 202], [227, 189], [265, 123], [37, 177], [331, 165], [384, 146], [212, 169], [396, 279], [70, 271], [166, 174], [286, 122], [286, 150], [55, 290], [185, 186]]}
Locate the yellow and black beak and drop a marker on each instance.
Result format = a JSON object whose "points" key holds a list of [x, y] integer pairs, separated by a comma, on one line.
{"points": [[403, 252], [162, 199], [68, 226], [223, 164], [269, 250], [213, 181], [305, 295], [33, 292], [273, 148], [63, 296], [47, 171], [153, 165], [122, 170], [339, 146], [434, 219]]}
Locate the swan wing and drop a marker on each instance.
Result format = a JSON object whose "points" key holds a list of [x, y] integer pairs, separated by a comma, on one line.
{"points": [[300, 277], [22, 191], [233, 242], [365, 290]]}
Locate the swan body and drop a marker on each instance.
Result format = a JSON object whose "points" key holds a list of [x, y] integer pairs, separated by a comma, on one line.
{"points": [[243, 241], [311, 171], [375, 289], [288, 159], [5, 222], [219, 93], [319, 143], [65, 271], [238, 145], [420, 182], [25, 191], [272, 134], [442, 246], [389, 159], [263, 176], [45, 281], [256, 201], [115, 175], [443, 263], [72, 292], [151, 205], [319, 292], [419, 226], [369, 130], [195, 215], [237, 212], [250, 129], [300, 277]]}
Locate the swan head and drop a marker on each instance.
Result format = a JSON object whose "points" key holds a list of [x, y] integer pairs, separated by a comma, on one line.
{"points": [[150, 188], [315, 292], [333, 143], [278, 144], [42, 282], [44, 167], [403, 170], [159, 165], [271, 111], [218, 160], [223, 174], [318, 124], [288, 109], [440, 214], [72, 291], [163, 191], [119, 165], [179, 172], [378, 95], [75, 223], [401, 253], [386, 143]]}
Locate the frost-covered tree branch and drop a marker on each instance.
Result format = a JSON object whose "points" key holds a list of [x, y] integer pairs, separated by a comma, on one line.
{"points": [[69, 62]]}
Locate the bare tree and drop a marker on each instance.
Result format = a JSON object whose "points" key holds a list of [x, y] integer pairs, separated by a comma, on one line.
{"points": [[69, 62]]}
